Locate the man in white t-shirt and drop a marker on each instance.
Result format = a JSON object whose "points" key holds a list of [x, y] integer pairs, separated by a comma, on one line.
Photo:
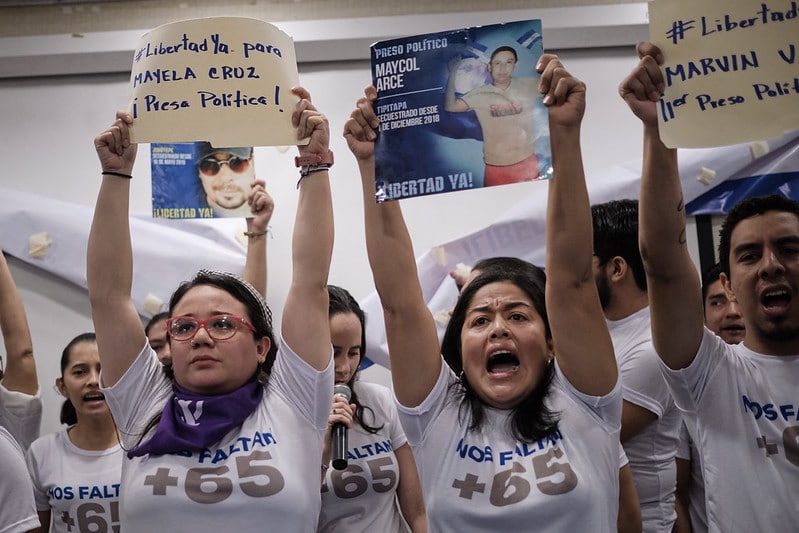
{"points": [[722, 317], [739, 399], [650, 420]]}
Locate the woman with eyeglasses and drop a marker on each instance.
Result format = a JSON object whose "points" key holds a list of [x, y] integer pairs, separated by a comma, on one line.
{"points": [[379, 489], [261, 206], [514, 417], [235, 438], [76, 471]]}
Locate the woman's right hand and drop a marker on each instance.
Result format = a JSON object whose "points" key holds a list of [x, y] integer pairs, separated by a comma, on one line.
{"points": [[341, 412], [114, 149]]}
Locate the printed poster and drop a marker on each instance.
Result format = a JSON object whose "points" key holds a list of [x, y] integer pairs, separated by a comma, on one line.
{"points": [[460, 110], [197, 180], [226, 80], [731, 70]]}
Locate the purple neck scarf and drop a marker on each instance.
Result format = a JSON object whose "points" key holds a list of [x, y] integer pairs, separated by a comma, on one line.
{"points": [[192, 421]]}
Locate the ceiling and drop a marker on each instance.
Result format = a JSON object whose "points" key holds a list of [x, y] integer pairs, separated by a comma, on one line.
{"points": [[50, 17]]}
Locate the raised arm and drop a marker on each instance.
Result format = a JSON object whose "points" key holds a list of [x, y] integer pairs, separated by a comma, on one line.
{"points": [[451, 102], [262, 206], [410, 328], [305, 324], [120, 334], [20, 368], [586, 359], [675, 293]]}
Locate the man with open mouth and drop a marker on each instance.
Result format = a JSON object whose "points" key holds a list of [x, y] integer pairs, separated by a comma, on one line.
{"points": [[738, 400]]}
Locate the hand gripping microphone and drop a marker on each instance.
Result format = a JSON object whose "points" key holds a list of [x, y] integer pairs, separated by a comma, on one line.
{"points": [[339, 444]]}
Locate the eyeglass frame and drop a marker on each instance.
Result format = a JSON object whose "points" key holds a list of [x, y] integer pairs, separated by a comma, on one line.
{"points": [[203, 323], [220, 162]]}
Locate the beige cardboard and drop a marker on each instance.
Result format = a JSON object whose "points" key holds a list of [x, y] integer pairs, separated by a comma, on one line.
{"points": [[731, 68], [226, 80]]}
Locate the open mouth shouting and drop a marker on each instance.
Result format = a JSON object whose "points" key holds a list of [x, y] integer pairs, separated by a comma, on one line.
{"points": [[775, 301], [502, 363]]}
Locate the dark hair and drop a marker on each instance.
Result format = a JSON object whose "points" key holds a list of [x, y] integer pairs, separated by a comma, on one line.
{"points": [[155, 319], [531, 420], [710, 276], [748, 208], [241, 290], [504, 49], [259, 314], [69, 415], [616, 234], [341, 301]]}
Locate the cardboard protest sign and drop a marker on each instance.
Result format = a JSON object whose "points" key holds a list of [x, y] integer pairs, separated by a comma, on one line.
{"points": [[731, 70], [226, 80], [197, 180], [460, 110]]}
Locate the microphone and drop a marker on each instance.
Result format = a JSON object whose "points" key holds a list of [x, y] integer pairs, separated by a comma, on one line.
{"points": [[339, 444]]}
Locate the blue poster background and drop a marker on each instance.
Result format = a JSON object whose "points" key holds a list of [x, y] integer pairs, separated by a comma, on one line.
{"points": [[178, 185], [422, 149], [176, 188]]}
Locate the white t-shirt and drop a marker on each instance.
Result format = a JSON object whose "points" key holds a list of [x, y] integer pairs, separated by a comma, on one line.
{"points": [[651, 452], [17, 508], [745, 408], [264, 474], [487, 480], [362, 497], [79, 487], [696, 490], [21, 415]]}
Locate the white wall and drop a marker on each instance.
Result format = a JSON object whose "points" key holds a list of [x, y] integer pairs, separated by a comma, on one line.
{"points": [[48, 124]]}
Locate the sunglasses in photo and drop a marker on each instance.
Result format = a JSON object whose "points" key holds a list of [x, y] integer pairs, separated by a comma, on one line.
{"points": [[211, 166]]}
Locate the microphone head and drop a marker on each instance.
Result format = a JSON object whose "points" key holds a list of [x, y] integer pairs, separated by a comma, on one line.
{"points": [[341, 389]]}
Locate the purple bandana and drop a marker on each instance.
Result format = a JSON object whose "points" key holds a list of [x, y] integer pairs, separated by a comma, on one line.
{"points": [[192, 421]]}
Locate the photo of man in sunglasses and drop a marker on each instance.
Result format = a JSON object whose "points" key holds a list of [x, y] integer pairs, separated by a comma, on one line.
{"points": [[226, 175]]}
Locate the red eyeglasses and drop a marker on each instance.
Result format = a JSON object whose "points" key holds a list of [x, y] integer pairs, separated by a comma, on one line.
{"points": [[218, 327], [211, 166]]}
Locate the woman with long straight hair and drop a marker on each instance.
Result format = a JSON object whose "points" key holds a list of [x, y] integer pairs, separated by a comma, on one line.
{"points": [[76, 470]]}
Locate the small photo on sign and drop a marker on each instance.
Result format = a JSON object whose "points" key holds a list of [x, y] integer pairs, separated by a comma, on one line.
{"points": [[198, 180]]}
